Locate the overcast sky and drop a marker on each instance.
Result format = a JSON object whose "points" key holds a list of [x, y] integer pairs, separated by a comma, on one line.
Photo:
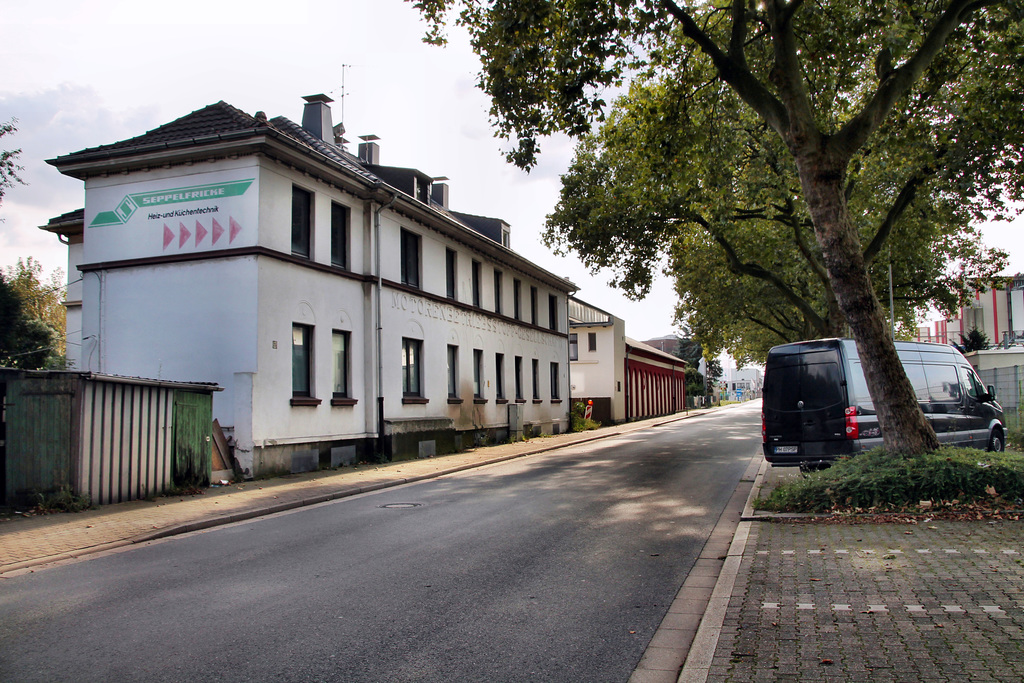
{"points": [[83, 73]]}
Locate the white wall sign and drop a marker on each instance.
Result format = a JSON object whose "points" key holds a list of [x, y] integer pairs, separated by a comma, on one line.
{"points": [[190, 213]]}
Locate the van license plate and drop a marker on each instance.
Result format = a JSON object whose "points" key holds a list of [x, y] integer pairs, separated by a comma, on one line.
{"points": [[787, 449]]}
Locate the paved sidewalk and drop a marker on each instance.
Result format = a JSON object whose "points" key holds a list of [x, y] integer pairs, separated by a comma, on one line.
{"points": [[32, 541], [932, 601]]}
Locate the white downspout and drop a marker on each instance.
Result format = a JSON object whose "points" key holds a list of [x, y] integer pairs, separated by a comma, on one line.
{"points": [[380, 328]]}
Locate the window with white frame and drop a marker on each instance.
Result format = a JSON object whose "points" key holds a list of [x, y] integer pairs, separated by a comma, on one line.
{"points": [[302, 360], [340, 364], [339, 235], [302, 222], [412, 354], [499, 375], [453, 371], [478, 373]]}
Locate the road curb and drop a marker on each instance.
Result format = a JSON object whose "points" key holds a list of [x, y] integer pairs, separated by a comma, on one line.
{"points": [[702, 651]]}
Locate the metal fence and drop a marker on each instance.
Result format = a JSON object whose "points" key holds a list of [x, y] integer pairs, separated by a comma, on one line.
{"points": [[1008, 384]]}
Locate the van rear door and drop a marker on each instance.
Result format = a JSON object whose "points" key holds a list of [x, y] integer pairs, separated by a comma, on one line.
{"points": [[804, 403]]}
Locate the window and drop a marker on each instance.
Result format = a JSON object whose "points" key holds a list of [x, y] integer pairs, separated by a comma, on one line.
{"points": [[536, 379], [476, 283], [554, 381], [591, 341], [497, 292], [339, 348], [499, 375], [451, 273], [553, 312], [574, 347], [517, 306], [478, 373], [943, 383], [410, 259], [339, 235], [533, 305], [302, 340], [302, 220], [453, 371], [412, 350], [519, 377]]}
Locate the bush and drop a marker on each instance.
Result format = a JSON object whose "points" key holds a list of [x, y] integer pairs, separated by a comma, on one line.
{"points": [[580, 423], [1015, 438], [63, 500], [948, 478]]}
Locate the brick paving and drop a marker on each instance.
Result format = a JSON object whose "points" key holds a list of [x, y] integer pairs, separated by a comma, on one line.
{"points": [[933, 601]]}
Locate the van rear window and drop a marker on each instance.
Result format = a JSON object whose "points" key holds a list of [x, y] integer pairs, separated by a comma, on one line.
{"points": [[818, 385]]}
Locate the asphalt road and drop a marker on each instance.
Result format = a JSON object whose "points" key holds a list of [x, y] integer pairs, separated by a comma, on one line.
{"points": [[556, 567]]}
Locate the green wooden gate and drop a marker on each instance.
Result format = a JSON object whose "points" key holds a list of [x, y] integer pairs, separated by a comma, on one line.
{"points": [[193, 436], [39, 450]]}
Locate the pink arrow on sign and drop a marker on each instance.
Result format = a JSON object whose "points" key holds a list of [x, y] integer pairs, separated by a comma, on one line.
{"points": [[183, 235], [217, 231], [200, 232], [168, 236], [235, 229]]}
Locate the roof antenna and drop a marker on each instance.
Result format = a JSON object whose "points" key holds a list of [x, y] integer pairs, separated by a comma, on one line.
{"points": [[339, 130]]}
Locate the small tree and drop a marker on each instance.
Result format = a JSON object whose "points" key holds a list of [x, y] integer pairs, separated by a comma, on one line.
{"points": [[41, 298], [24, 342], [976, 340]]}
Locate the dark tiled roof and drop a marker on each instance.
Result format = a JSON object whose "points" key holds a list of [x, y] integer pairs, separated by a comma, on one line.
{"points": [[215, 119], [76, 216], [333, 152], [488, 227]]}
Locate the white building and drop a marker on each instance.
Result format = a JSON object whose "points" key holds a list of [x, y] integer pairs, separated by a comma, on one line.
{"points": [[343, 308], [625, 379], [998, 312]]}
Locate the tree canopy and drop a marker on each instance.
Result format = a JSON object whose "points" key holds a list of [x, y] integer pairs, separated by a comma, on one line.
{"points": [[875, 112], [649, 188], [32, 317], [9, 166]]}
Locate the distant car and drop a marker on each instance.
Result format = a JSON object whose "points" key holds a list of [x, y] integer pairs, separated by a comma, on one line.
{"points": [[817, 408]]}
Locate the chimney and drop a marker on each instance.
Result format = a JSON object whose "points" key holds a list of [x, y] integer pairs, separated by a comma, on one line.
{"points": [[439, 192], [369, 151], [316, 117]]}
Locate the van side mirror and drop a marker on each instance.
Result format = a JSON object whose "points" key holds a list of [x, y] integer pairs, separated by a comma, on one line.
{"points": [[991, 392]]}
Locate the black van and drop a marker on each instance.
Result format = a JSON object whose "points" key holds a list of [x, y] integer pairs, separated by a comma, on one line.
{"points": [[817, 408]]}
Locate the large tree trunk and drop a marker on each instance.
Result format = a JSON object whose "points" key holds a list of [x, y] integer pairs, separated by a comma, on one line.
{"points": [[904, 427]]}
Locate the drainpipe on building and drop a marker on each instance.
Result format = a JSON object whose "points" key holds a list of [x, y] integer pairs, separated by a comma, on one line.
{"points": [[568, 365], [626, 378], [380, 327]]}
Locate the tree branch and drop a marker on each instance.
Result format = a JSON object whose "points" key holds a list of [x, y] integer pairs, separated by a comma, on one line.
{"points": [[898, 82], [750, 90], [756, 271], [788, 78]]}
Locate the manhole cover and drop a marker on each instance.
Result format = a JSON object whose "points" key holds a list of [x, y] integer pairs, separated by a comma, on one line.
{"points": [[393, 506]]}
